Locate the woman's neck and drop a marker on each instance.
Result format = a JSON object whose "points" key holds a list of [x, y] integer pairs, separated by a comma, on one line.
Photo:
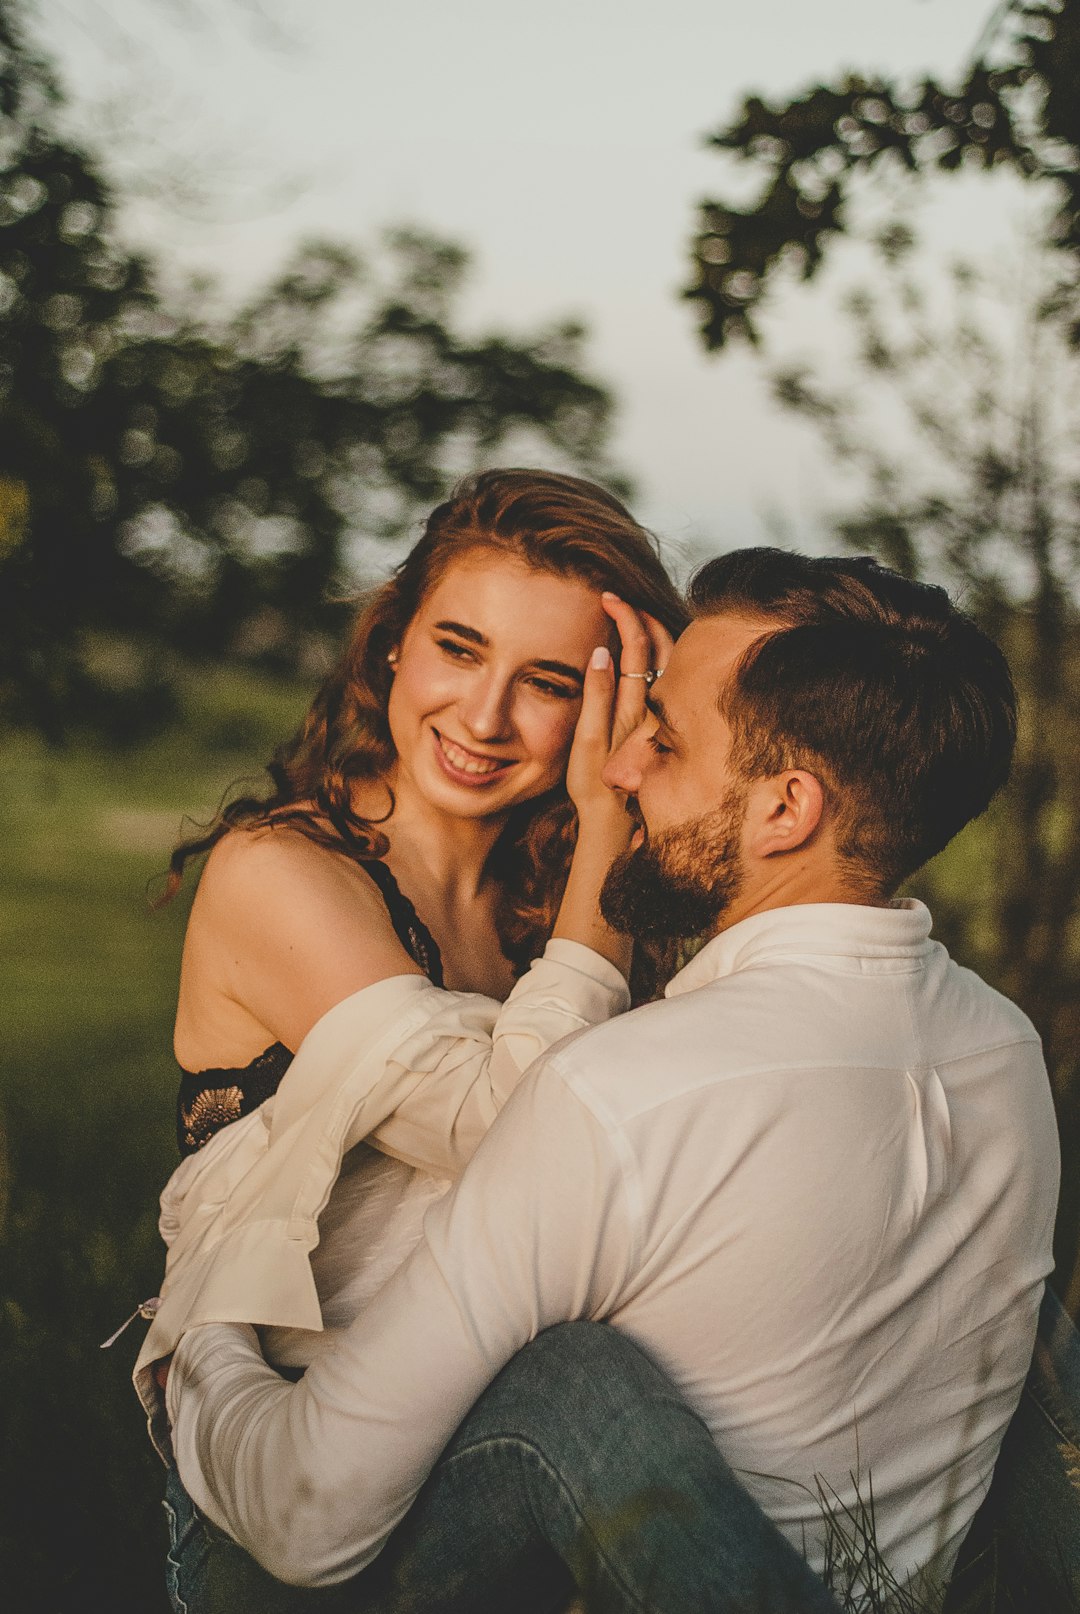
{"points": [[447, 854], [440, 862]]}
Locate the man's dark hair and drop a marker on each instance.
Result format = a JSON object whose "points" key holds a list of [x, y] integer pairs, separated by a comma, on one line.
{"points": [[900, 705]]}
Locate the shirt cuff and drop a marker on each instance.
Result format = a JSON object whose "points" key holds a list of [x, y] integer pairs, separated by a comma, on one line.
{"points": [[576, 956], [208, 1346], [218, 1387]]}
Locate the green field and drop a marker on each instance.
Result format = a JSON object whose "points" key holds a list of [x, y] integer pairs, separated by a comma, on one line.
{"points": [[87, 1083]]}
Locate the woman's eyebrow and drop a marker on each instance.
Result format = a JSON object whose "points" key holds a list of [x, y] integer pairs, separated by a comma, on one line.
{"points": [[563, 669], [472, 634]]}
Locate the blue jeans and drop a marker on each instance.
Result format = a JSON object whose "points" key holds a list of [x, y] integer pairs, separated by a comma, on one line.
{"points": [[580, 1468], [1023, 1549]]}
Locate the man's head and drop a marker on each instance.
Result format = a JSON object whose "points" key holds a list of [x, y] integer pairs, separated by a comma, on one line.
{"points": [[823, 728]]}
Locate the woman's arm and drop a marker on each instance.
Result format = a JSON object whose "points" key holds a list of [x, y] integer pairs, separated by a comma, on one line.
{"points": [[286, 941], [403, 1063], [457, 1070], [580, 979]]}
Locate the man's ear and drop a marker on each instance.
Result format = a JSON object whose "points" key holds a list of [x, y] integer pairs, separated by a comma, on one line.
{"points": [[783, 812]]}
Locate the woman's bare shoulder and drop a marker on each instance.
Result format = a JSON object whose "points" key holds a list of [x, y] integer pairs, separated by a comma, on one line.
{"points": [[278, 868], [281, 930]]}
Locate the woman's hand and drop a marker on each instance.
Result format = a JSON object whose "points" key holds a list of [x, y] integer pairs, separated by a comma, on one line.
{"points": [[612, 706]]}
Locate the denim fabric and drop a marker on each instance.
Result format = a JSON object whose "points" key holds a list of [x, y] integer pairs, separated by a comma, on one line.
{"points": [[189, 1548], [579, 1466], [1023, 1550]]}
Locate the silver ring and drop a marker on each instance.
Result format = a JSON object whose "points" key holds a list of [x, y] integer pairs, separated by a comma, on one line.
{"points": [[650, 677]]}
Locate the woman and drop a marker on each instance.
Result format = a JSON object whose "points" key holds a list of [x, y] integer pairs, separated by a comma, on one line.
{"points": [[437, 818], [431, 767]]}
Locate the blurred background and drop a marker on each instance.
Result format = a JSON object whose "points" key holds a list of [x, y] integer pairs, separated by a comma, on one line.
{"points": [[271, 276]]}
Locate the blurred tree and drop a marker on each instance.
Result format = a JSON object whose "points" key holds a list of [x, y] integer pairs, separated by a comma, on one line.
{"points": [[170, 147], [1018, 105], [337, 405], [171, 477], [961, 441], [64, 291], [958, 422]]}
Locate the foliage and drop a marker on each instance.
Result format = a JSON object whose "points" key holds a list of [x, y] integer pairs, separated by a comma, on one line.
{"points": [[179, 477], [1017, 105]]}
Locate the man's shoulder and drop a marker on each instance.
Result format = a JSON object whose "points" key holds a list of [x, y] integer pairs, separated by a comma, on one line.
{"points": [[786, 1019], [978, 1014], [596, 1045], [658, 1052]]}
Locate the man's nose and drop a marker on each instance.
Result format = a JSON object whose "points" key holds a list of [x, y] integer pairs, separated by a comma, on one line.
{"points": [[485, 710], [622, 770]]}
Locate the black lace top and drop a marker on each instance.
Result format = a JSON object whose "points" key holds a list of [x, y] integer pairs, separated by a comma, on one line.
{"points": [[210, 1099]]}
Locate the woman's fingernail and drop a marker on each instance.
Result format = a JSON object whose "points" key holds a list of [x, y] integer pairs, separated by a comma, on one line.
{"points": [[608, 594], [601, 658]]}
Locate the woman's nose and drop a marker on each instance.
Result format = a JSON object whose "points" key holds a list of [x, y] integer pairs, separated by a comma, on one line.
{"points": [[485, 710]]}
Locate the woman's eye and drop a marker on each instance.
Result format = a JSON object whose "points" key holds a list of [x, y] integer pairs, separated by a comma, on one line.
{"points": [[560, 692], [658, 746], [456, 650]]}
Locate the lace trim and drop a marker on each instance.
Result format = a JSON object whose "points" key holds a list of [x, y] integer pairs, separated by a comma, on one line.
{"points": [[411, 930]]}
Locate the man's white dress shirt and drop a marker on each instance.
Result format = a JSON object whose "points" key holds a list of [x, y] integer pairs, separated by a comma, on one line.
{"points": [[817, 1185]]}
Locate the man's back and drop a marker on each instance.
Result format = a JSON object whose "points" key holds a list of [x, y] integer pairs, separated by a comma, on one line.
{"points": [[842, 1166], [817, 1185]]}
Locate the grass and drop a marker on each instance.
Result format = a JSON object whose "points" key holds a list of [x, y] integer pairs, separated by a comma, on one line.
{"points": [[87, 991], [993, 1575]]}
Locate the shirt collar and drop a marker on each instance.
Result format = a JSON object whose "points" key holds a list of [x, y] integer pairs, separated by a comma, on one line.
{"points": [[899, 932]]}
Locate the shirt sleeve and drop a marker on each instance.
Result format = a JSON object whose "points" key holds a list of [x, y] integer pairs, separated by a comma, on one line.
{"points": [[312, 1477], [436, 1083], [473, 1052]]}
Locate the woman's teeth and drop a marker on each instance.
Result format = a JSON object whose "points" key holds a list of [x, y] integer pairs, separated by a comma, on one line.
{"points": [[464, 761]]}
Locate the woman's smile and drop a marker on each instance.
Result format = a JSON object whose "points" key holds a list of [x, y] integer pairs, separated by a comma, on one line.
{"points": [[468, 767]]}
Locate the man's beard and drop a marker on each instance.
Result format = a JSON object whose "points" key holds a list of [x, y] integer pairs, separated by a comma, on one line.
{"points": [[680, 884]]}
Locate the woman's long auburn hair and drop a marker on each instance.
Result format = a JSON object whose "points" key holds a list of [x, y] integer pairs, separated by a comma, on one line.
{"points": [[557, 524]]}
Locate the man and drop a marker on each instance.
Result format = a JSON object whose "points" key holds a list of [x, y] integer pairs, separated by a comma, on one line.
{"points": [[816, 1184]]}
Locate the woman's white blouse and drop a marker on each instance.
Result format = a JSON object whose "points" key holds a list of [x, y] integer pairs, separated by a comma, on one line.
{"points": [[420, 1072]]}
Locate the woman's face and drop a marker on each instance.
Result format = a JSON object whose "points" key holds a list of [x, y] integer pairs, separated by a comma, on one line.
{"points": [[487, 683]]}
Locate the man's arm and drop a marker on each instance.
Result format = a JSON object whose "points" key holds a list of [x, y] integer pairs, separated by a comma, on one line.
{"points": [[312, 1477]]}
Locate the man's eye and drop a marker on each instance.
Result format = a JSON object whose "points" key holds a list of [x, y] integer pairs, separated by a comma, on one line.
{"points": [[658, 746]]}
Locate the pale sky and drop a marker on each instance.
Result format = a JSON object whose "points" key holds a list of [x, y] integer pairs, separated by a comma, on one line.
{"points": [[563, 144]]}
